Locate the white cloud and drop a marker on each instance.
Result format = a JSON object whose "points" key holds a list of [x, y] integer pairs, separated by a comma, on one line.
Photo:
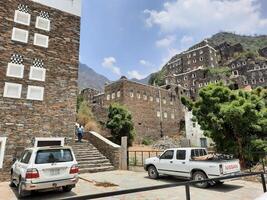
{"points": [[186, 40], [110, 63], [146, 63], [166, 42], [209, 16], [135, 74]]}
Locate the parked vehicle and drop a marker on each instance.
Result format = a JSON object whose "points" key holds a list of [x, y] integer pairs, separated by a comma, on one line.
{"points": [[180, 162], [43, 168]]}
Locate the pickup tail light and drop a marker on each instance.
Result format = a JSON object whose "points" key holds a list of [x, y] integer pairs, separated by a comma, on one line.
{"points": [[32, 174], [221, 169], [74, 169]]}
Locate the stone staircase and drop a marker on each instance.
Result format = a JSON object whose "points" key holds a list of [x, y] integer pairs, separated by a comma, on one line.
{"points": [[89, 159]]}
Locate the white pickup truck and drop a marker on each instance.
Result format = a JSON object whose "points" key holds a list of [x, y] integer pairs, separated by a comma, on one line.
{"points": [[180, 162]]}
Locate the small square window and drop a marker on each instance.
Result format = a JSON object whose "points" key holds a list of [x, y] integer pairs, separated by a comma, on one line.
{"points": [[119, 94], [20, 35], [138, 96], [41, 40], [35, 93], [37, 74], [200, 52], [171, 102], [157, 100], [261, 80], [131, 94], [12, 90], [172, 116], [164, 101], [151, 98], [158, 114], [22, 18], [42, 23], [15, 70], [108, 97], [113, 95], [165, 115], [145, 97]]}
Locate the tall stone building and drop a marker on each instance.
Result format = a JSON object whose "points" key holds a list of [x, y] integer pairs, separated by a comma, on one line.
{"points": [[156, 111], [39, 52]]}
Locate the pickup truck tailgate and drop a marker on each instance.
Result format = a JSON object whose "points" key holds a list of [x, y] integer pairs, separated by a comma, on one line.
{"points": [[231, 167]]}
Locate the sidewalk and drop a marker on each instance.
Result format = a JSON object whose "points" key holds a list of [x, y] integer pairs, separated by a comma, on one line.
{"points": [[118, 180]]}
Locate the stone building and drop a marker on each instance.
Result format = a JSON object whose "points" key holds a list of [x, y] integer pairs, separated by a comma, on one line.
{"points": [[39, 52], [226, 50], [156, 111], [263, 52], [89, 93]]}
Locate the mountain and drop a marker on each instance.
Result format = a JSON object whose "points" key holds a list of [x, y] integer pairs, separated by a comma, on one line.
{"points": [[250, 43], [89, 78], [144, 80]]}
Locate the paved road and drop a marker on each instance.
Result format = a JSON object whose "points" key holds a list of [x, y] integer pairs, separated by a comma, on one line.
{"points": [[117, 180]]}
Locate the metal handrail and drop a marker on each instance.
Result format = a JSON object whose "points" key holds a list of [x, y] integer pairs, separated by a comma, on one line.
{"points": [[185, 183]]}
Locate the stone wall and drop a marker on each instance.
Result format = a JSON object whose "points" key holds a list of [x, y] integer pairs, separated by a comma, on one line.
{"points": [[150, 107], [109, 149], [22, 119]]}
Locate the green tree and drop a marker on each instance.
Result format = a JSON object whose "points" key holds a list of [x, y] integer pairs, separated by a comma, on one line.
{"points": [[120, 123], [234, 119], [79, 101]]}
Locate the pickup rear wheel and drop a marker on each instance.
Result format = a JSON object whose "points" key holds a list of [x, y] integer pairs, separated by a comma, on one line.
{"points": [[198, 176], [152, 172]]}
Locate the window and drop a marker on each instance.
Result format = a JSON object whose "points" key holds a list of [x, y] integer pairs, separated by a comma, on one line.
{"points": [[253, 81], [138, 95], [118, 94], [158, 114], [35, 93], [151, 98], [164, 101], [42, 23], [2, 150], [22, 18], [145, 97], [200, 52], [188, 55], [26, 156], [20, 35], [235, 73], [244, 63], [37, 74], [15, 70], [131, 94], [194, 124], [210, 51], [41, 40], [238, 64], [200, 85], [113, 95], [167, 154], [261, 80], [172, 116], [108, 97], [193, 82], [185, 78], [53, 156], [211, 58], [233, 66], [180, 154], [165, 115], [12, 90], [203, 142], [157, 100], [198, 152], [171, 102], [188, 62], [201, 58], [193, 75], [194, 54], [194, 61], [245, 82]]}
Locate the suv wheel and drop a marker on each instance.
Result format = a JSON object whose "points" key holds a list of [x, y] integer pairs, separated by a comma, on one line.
{"points": [[11, 183], [67, 188], [152, 172], [197, 176], [22, 193]]}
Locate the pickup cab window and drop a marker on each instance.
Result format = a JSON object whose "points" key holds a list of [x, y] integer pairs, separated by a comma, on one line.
{"points": [[198, 152], [167, 155], [180, 155]]}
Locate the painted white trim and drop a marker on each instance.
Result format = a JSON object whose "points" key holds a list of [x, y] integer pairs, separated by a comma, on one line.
{"points": [[17, 19], [45, 37], [16, 31], [19, 68], [104, 139], [19, 88], [41, 90], [207, 45], [2, 150], [33, 70], [199, 68], [37, 139], [37, 23]]}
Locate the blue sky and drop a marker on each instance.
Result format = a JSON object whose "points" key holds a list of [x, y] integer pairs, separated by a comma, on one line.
{"points": [[137, 37]]}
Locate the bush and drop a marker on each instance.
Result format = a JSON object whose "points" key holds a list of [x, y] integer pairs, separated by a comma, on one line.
{"points": [[92, 126], [147, 141]]}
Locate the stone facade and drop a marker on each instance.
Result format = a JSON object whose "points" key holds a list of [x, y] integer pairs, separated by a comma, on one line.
{"points": [[156, 111], [263, 52], [53, 115], [243, 70], [89, 93]]}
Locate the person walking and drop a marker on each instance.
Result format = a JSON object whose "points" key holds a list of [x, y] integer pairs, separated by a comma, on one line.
{"points": [[80, 133]]}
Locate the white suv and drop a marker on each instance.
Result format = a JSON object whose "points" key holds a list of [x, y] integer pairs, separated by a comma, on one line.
{"points": [[43, 168]]}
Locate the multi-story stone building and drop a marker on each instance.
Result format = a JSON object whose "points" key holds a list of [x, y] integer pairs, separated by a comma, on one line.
{"points": [[156, 111], [39, 52]]}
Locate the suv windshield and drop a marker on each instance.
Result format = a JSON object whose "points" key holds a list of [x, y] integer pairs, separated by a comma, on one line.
{"points": [[53, 155]]}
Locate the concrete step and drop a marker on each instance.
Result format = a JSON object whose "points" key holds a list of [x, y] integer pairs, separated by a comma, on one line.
{"points": [[82, 166], [89, 155], [86, 152], [96, 169], [90, 158], [94, 161]]}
